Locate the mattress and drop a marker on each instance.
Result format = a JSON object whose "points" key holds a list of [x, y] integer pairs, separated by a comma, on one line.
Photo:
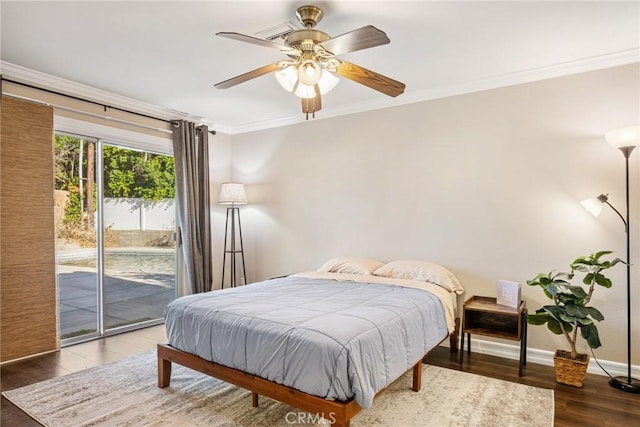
{"points": [[337, 339]]}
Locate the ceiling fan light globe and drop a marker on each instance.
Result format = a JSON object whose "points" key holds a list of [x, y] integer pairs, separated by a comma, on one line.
{"points": [[305, 91], [327, 82], [309, 72], [287, 78]]}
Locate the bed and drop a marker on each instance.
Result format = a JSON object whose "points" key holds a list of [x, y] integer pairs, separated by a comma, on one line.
{"points": [[326, 342]]}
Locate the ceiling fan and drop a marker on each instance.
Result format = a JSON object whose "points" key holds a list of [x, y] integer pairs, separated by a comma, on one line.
{"points": [[312, 65]]}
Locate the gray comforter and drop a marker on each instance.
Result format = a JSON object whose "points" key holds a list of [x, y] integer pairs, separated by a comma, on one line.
{"points": [[333, 339]]}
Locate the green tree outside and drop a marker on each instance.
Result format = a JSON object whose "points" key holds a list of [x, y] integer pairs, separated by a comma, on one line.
{"points": [[127, 174], [138, 174]]}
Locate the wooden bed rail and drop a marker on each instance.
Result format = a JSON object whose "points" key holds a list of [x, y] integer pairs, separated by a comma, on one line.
{"points": [[339, 413]]}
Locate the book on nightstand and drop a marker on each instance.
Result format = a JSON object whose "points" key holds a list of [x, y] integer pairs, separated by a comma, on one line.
{"points": [[508, 293]]}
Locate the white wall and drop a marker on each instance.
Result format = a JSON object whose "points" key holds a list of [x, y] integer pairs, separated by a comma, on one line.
{"points": [[487, 184]]}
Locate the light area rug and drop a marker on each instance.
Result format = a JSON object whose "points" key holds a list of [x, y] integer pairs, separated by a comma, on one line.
{"points": [[125, 393]]}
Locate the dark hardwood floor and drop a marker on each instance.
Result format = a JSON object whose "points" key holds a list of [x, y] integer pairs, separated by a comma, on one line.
{"points": [[70, 359], [596, 404]]}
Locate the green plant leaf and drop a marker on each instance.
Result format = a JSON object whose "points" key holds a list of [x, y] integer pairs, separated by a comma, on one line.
{"points": [[581, 312], [567, 318], [576, 311], [568, 298], [587, 278], [580, 267], [581, 262], [538, 319], [571, 310], [590, 333], [578, 291], [554, 326], [544, 278], [552, 289], [553, 310], [594, 313], [585, 321], [598, 255], [602, 281]]}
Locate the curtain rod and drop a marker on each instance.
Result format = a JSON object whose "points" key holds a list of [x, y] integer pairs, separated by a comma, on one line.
{"points": [[172, 122]]}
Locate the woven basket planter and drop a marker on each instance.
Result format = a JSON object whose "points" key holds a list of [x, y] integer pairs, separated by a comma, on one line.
{"points": [[570, 371]]}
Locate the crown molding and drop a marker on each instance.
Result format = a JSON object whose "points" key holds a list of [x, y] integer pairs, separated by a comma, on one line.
{"points": [[36, 78], [624, 57], [68, 87]]}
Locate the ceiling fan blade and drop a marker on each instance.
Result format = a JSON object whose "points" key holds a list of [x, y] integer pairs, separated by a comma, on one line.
{"points": [[257, 41], [362, 38], [370, 78], [248, 76], [311, 105]]}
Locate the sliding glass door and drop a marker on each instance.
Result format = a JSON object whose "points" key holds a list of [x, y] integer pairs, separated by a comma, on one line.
{"points": [[139, 219], [114, 244], [76, 236]]}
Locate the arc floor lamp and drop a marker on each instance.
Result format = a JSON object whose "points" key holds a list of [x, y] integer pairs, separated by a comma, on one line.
{"points": [[233, 194], [626, 139]]}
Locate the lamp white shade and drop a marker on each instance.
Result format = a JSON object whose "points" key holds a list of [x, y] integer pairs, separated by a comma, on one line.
{"points": [[232, 193], [624, 137], [593, 206]]}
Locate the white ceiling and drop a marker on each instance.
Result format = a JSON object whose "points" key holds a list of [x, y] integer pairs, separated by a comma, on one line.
{"points": [[166, 53]]}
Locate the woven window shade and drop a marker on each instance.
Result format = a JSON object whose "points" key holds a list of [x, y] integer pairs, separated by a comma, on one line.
{"points": [[28, 307]]}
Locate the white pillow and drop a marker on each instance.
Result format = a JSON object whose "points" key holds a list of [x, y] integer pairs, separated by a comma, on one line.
{"points": [[422, 271], [351, 265]]}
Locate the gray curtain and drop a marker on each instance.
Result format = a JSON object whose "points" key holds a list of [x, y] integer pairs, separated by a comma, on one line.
{"points": [[191, 153]]}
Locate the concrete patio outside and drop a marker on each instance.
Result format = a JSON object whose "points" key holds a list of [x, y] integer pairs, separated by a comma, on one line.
{"points": [[133, 293]]}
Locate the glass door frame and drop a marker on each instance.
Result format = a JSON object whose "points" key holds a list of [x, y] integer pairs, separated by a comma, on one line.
{"points": [[98, 276], [102, 330], [100, 225]]}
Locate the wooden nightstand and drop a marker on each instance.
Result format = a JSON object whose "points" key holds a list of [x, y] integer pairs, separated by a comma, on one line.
{"points": [[482, 316]]}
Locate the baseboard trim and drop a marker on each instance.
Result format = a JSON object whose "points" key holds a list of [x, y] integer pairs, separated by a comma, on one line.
{"points": [[31, 356], [545, 357]]}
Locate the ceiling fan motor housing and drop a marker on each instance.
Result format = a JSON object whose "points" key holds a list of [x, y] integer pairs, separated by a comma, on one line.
{"points": [[306, 39], [309, 15]]}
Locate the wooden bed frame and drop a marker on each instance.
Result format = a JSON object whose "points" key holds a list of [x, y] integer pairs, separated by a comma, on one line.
{"points": [[338, 412]]}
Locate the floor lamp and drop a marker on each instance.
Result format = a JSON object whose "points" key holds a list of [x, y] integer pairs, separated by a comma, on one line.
{"points": [[233, 194], [626, 139]]}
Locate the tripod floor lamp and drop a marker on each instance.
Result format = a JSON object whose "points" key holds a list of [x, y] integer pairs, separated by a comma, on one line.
{"points": [[233, 194], [626, 139]]}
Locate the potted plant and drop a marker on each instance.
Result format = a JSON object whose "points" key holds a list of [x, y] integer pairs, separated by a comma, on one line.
{"points": [[570, 312]]}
